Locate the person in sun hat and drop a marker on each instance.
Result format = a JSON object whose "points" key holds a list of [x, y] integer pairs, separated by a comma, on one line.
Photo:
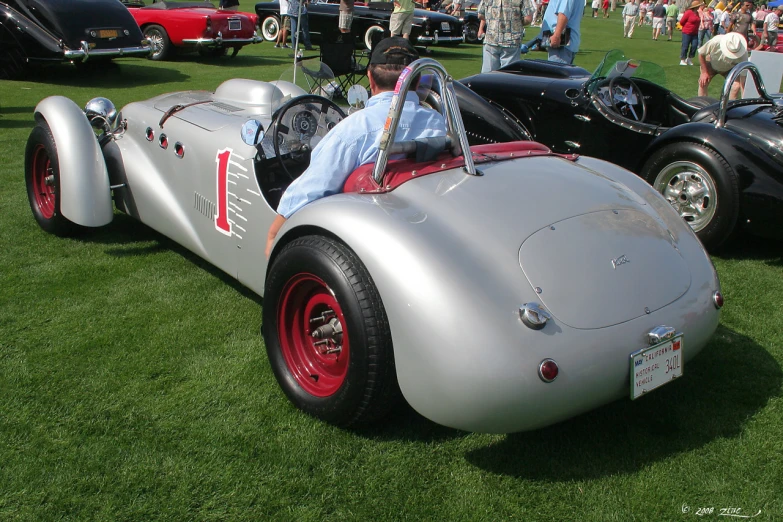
{"points": [[719, 56], [690, 22], [356, 140]]}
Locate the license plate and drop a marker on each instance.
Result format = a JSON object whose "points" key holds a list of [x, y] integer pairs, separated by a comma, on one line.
{"points": [[655, 366], [234, 25], [445, 27], [108, 33]]}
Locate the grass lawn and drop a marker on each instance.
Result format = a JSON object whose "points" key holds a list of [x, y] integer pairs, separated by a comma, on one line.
{"points": [[134, 383]]}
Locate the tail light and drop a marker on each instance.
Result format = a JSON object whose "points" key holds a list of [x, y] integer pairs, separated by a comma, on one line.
{"points": [[209, 24], [548, 370]]}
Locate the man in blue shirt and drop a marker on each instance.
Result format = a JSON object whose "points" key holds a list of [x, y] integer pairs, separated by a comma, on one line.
{"points": [[355, 140], [562, 19]]}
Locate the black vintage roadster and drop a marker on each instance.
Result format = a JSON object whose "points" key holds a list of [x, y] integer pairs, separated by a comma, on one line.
{"points": [[719, 163], [81, 31]]}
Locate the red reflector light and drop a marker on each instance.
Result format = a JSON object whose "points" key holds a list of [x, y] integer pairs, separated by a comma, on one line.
{"points": [[717, 298], [548, 370]]}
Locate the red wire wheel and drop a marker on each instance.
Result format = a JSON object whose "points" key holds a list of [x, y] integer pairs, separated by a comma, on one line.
{"points": [[326, 332], [42, 176], [319, 363]]}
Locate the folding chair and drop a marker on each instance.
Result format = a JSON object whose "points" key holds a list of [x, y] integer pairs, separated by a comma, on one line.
{"points": [[342, 60]]}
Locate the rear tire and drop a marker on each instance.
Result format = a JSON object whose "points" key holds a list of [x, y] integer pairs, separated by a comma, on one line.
{"points": [[214, 52], [270, 28], [159, 39], [349, 377], [701, 185], [42, 177]]}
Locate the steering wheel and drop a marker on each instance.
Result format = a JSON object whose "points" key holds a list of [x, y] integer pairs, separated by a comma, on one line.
{"points": [[622, 99], [298, 127]]}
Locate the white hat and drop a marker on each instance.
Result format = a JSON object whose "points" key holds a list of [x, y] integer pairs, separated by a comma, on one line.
{"points": [[733, 45]]}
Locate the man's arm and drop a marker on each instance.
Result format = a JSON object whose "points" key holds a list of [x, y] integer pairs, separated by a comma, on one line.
{"points": [[557, 34], [272, 234], [704, 72]]}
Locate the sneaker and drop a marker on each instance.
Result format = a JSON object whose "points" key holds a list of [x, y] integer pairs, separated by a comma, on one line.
{"points": [[277, 45], [689, 62], [683, 62], [285, 46]]}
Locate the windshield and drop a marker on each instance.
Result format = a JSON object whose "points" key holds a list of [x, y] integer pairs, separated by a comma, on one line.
{"points": [[615, 63]]}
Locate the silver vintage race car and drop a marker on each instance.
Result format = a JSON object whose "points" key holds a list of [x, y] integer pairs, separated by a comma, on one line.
{"points": [[497, 287]]}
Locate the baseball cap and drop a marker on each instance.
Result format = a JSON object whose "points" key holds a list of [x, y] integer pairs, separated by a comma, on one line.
{"points": [[394, 50]]}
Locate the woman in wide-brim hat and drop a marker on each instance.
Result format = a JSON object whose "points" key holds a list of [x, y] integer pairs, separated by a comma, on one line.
{"points": [[696, 4]]}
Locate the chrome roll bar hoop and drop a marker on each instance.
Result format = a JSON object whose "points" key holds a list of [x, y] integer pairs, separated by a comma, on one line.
{"points": [[449, 107]]}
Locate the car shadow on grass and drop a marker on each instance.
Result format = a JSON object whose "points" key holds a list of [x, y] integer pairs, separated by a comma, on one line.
{"points": [[727, 384], [127, 237], [131, 73], [767, 251]]}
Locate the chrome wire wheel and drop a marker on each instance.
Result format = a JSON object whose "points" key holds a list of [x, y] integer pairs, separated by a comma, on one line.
{"points": [[690, 190], [156, 42]]}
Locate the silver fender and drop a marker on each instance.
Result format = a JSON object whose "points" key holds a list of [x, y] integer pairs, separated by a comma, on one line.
{"points": [[85, 192]]}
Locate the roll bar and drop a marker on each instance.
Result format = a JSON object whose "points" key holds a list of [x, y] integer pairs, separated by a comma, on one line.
{"points": [[449, 108], [732, 77]]}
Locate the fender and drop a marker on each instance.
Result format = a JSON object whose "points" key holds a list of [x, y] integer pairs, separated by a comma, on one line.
{"points": [[732, 147], [16, 22], [85, 193]]}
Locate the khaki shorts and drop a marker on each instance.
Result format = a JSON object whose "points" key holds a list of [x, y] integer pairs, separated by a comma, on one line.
{"points": [[401, 23], [287, 22], [657, 23]]}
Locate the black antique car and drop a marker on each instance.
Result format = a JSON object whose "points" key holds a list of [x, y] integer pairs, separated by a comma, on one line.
{"points": [[429, 27], [719, 163], [59, 30]]}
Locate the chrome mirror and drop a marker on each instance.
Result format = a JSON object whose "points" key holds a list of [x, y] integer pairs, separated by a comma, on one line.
{"points": [[252, 132], [357, 98]]}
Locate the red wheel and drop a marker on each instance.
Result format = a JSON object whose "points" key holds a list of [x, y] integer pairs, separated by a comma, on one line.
{"points": [[43, 181], [314, 345], [326, 333], [42, 176]]}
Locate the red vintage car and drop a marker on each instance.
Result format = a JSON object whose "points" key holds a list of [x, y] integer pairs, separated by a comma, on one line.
{"points": [[192, 26]]}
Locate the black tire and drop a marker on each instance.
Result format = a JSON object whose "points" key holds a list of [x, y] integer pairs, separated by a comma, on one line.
{"points": [[471, 33], [13, 63], [681, 170], [340, 388], [159, 39], [42, 177], [270, 28], [702, 101]]}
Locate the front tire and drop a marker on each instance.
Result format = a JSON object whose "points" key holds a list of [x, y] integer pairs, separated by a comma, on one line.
{"points": [[270, 28], [326, 333], [701, 185], [42, 177], [160, 42]]}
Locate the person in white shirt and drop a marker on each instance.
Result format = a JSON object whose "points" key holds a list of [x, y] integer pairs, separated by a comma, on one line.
{"points": [[630, 11], [769, 35], [719, 56]]}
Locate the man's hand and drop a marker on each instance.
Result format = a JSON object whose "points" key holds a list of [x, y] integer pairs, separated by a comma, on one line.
{"points": [[274, 228], [704, 79], [554, 40]]}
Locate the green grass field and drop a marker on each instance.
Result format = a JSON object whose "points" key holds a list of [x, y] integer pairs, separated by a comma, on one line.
{"points": [[134, 383]]}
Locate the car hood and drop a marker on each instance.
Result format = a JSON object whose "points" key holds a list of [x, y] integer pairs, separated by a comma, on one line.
{"points": [[72, 20]]}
